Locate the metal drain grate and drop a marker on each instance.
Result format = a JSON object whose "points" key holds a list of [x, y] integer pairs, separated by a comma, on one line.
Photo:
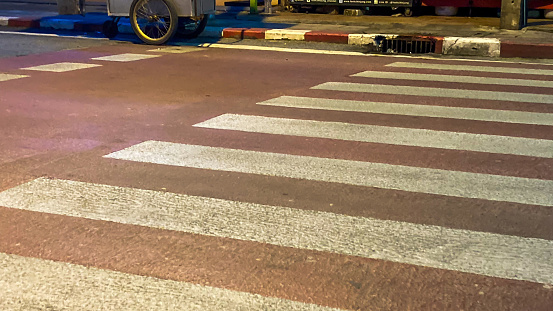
{"points": [[407, 45]]}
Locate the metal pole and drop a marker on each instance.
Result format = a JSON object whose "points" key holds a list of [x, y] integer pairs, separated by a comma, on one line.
{"points": [[253, 6]]}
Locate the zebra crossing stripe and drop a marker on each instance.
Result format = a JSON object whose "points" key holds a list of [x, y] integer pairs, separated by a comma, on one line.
{"points": [[451, 78], [383, 134], [49, 285], [61, 67], [524, 71], [434, 92], [7, 76], [483, 253], [126, 57], [506, 116], [379, 175]]}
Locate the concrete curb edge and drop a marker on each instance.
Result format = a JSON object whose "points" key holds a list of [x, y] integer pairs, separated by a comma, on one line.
{"points": [[458, 46]]}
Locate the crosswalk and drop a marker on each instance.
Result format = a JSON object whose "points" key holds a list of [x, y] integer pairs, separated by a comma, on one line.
{"points": [[518, 259]]}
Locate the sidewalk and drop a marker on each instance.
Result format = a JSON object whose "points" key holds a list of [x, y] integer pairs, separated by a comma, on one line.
{"points": [[456, 35]]}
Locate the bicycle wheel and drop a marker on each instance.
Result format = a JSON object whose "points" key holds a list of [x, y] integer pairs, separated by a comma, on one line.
{"points": [[190, 28], [154, 21]]}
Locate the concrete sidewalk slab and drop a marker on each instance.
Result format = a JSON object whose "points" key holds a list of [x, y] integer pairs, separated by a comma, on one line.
{"points": [[449, 35]]}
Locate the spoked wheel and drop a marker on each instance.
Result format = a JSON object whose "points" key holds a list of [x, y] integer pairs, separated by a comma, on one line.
{"points": [[154, 21], [190, 27]]}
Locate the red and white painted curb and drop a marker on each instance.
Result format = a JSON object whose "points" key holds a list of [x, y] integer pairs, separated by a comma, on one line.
{"points": [[460, 46]]}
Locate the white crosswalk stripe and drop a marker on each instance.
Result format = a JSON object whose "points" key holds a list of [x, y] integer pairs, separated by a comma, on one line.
{"points": [[74, 287], [505, 116], [61, 67], [508, 70], [7, 77], [481, 253], [127, 57], [379, 175], [451, 78], [435, 92], [505, 256], [383, 134]]}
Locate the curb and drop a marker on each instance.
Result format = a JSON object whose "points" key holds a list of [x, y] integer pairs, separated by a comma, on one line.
{"points": [[457, 46]]}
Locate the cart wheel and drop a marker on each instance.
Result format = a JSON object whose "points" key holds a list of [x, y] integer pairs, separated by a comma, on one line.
{"points": [[109, 29], [190, 28], [408, 12], [154, 21]]}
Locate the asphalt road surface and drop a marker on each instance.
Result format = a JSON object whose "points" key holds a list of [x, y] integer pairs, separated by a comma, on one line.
{"points": [[234, 177]]}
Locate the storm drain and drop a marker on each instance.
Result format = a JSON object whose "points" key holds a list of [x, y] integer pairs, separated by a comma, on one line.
{"points": [[405, 45]]}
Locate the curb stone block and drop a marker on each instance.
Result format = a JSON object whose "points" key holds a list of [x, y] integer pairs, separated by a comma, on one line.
{"points": [[320, 36], [27, 22], [471, 46], [254, 33], [236, 33], [513, 49], [286, 34]]}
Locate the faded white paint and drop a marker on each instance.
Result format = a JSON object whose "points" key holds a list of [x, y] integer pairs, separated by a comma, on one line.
{"points": [[481, 253], [6, 77], [383, 134], [378, 175], [435, 92], [61, 67], [507, 116], [127, 57], [37, 284], [452, 78], [479, 68]]}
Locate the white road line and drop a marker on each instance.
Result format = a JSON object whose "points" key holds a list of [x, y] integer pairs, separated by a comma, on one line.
{"points": [[506, 116], [524, 71], [61, 67], [482, 253], [31, 283], [379, 175], [33, 34], [177, 49], [126, 57], [435, 92], [451, 78], [6, 77], [278, 49], [383, 134], [332, 52]]}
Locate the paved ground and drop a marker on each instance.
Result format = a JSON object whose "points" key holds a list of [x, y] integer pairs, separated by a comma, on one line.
{"points": [[481, 35], [135, 178]]}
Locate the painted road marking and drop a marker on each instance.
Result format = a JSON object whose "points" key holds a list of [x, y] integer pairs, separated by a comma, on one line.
{"points": [[506, 116], [524, 71], [61, 67], [379, 175], [483, 253], [6, 77], [435, 92], [451, 78], [177, 49], [49, 285], [383, 134], [127, 57]]}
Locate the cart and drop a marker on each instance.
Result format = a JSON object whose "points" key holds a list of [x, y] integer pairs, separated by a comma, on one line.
{"points": [[157, 21]]}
